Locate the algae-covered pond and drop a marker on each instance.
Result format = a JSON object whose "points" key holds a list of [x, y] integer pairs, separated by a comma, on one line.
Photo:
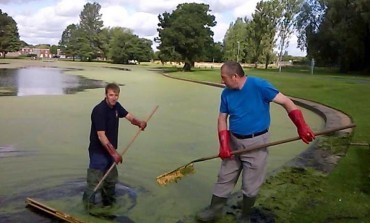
{"points": [[44, 139]]}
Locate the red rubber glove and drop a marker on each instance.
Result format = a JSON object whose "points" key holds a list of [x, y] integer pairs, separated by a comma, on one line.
{"points": [[304, 131], [224, 139], [113, 152]]}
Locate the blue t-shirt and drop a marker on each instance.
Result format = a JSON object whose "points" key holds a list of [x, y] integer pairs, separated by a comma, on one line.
{"points": [[249, 107], [104, 118]]}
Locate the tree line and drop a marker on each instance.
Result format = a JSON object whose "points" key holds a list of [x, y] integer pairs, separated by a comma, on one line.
{"points": [[88, 40], [333, 33], [9, 36]]}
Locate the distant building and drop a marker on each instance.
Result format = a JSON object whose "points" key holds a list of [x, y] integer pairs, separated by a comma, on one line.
{"points": [[11, 54], [40, 53]]}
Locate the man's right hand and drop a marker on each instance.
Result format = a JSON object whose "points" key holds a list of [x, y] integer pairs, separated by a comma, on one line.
{"points": [[224, 140], [113, 152]]}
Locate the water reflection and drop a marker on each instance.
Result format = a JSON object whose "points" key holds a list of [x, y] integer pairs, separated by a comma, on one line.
{"points": [[42, 81]]}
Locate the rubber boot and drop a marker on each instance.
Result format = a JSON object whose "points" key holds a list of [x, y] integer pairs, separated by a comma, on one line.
{"points": [[248, 203], [214, 211], [108, 191], [93, 177]]}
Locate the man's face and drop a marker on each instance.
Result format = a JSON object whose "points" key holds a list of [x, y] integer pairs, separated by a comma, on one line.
{"points": [[230, 80], [111, 97]]}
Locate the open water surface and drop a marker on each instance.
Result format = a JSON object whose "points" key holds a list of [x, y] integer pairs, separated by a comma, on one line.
{"points": [[42, 81]]}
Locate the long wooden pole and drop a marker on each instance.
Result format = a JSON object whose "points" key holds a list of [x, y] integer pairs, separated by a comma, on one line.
{"points": [[124, 151], [178, 173], [240, 151]]}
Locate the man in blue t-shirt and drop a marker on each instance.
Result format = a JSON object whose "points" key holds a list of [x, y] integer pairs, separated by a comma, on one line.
{"points": [[243, 121], [103, 143]]}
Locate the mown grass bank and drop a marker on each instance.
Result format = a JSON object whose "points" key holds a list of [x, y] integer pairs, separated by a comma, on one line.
{"points": [[306, 195]]}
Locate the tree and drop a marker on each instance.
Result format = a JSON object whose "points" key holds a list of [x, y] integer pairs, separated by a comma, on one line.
{"points": [[104, 39], [337, 33], [263, 29], [144, 51], [9, 36], [23, 44], [87, 39], [91, 25], [54, 50], [70, 41], [290, 8], [308, 22], [235, 40], [186, 32], [126, 46], [215, 53], [168, 54], [347, 23]]}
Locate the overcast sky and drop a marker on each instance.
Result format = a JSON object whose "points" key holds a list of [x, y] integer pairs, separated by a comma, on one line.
{"points": [[43, 21]]}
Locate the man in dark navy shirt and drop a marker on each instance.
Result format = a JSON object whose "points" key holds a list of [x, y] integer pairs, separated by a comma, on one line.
{"points": [[103, 143]]}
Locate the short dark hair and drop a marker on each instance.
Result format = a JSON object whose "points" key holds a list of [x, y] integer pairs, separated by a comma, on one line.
{"points": [[112, 86], [233, 67]]}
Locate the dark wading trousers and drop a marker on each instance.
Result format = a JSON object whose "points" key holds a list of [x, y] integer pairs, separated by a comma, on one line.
{"points": [[107, 188]]}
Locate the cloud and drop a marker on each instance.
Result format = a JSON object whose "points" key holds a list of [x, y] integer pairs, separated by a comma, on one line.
{"points": [[222, 6], [15, 1], [113, 16], [158, 7], [293, 47], [141, 23], [219, 31], [245, 9], [47, 24], [69, 8], [144, 23], [43, 21]]}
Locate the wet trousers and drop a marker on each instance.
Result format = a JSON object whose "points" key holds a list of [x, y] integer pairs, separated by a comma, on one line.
{"points": [[251, 165], [107, 188]]}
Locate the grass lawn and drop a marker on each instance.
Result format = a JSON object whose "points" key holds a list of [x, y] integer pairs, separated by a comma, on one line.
{"points": [[307, 195]]}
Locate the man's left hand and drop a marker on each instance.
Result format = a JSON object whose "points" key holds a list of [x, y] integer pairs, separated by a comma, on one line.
{"points": [[142, 125], [304, 131], [306, 134]]}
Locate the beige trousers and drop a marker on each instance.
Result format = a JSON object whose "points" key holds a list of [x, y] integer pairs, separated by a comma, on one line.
{"points": [[252, 166]]}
